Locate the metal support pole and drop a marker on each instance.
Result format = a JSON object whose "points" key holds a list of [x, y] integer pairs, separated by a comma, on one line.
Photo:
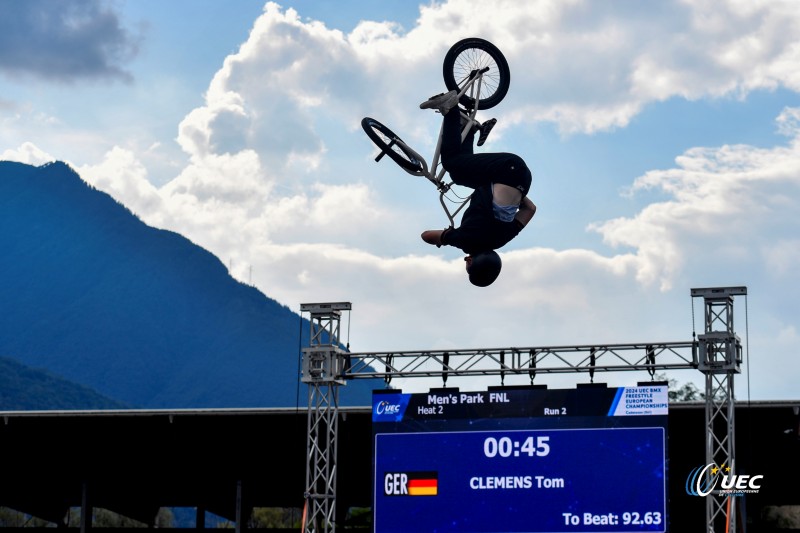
{"points": [[240, 526], [86, 508]]}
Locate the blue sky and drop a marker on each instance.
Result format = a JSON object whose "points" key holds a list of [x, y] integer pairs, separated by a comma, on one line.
{"points": [[663, 139]]}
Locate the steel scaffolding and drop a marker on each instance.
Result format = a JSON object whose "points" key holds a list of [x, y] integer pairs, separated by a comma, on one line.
{"points": [[323, 370], [326, 366], [720, 360]]}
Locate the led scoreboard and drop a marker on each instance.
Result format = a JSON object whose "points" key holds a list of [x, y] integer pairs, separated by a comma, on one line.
{"points": [[521, 460]]}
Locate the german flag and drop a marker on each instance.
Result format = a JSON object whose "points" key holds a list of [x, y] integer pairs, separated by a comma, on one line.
{"points": [[423, 483]]}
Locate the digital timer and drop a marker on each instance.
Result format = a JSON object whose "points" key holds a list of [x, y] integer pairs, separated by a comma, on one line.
{"points": [[508, 447]]}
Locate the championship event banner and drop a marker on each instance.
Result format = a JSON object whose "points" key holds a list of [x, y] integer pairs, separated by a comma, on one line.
{"points": [[520, 460]]}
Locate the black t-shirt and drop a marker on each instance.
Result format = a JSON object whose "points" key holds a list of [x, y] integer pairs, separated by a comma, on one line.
{"points": [[480, 231]]}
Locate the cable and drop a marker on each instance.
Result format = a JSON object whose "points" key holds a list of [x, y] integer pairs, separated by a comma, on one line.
{"points": [[299, 360], [747, 345], [460, 198], [348, 330], [297, 403]]}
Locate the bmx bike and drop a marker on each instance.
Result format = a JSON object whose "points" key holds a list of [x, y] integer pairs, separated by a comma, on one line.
{"points": [[479, 72]]}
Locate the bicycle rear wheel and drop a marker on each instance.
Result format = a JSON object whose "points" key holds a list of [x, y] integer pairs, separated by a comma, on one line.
{"points": [[471, 54], [391, 145]]}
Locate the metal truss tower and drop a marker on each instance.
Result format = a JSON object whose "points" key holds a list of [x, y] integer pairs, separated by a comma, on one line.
{"points": [[720, 360], [716, 353], [323, 370]]}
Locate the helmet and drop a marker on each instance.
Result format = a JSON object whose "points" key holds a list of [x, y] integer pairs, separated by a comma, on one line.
{"points": [[484, 269]]}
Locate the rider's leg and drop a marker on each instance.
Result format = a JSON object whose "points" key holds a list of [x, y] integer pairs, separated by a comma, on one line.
{"points": [[452, 147], [465, 167], [476, 170]]}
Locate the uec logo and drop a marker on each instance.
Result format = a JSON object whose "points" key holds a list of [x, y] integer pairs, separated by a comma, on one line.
{"points": [[385, 408], [702, 481]]}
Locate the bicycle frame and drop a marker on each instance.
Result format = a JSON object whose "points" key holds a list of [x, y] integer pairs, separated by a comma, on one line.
{"points": [[435, 174]]}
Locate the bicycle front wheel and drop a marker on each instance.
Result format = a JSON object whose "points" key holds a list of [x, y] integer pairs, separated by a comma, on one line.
{"points": [[469, 55], [391, 145]]}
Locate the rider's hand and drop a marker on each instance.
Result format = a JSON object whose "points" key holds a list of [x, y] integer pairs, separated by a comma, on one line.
{"points": [[434, 236]]}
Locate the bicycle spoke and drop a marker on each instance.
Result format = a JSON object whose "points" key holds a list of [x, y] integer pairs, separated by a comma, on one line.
{"points": [[476, 67], [391, 145], [474, 59]]}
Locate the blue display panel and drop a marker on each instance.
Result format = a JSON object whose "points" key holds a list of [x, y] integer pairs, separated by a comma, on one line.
{"points": [[521, 460]]}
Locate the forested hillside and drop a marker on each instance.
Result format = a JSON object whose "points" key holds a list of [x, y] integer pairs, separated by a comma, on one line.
{"points": [[142, 316]]}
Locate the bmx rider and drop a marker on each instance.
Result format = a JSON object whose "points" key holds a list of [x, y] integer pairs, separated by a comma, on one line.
{"points": [[499, 207]]}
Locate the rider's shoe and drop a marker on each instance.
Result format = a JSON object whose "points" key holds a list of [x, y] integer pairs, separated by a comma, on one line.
{"points": [[443, 102], [485, 128]]}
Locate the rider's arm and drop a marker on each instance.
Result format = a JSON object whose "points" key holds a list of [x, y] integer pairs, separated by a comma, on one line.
{"points": [[526, 211]]}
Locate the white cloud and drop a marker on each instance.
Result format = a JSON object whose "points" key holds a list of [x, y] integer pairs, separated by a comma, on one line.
{"points": [[122, 176], [280, 186], [590, 66], [27, 153], [722, 199]]}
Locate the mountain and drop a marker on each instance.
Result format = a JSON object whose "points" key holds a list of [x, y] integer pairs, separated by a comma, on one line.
{"points": [[25, 389], [141, 315]]}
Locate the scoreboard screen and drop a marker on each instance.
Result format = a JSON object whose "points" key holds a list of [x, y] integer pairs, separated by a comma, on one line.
{"points": [[521, 460]]}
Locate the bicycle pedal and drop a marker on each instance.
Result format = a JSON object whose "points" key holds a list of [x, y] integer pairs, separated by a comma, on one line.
{"points": [[485, 129]]}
